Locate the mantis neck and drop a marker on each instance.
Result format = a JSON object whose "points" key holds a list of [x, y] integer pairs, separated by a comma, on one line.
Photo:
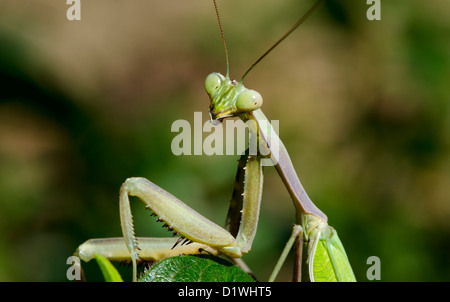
{"points": [[285, 168]]}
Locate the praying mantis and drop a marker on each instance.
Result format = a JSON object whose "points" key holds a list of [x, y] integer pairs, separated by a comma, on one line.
{"points": [[319, 253]]}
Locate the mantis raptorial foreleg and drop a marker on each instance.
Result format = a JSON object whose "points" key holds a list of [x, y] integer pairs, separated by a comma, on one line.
{"points": [[175, 214], [150, 249]]}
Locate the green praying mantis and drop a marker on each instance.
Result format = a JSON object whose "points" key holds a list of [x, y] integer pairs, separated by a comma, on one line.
{"points": [[319, 253]]}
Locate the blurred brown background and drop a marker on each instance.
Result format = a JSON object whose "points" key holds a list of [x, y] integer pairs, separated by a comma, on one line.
{"points": [[363, 109]]}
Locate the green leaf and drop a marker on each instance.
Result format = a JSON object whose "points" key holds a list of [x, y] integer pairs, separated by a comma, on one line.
{"points": [[198, 268], [109, 271]]}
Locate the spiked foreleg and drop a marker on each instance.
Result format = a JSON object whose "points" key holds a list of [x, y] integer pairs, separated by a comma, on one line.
{"points": [[234, 214], [151, 249], [243, 214], [177, 217]]}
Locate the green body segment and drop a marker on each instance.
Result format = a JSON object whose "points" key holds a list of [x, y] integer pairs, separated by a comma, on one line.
{"points": [[326, 260], [331, 262]]}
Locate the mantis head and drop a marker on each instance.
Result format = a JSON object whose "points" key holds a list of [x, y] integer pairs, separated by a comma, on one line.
{"points": [[229, 98]]}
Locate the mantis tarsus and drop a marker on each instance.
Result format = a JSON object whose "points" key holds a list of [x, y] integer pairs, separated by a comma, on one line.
{"points": [[320, 255]]}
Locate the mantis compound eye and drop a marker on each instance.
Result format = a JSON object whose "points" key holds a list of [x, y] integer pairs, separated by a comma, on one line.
{"points": [[213, 82], [249, 100]]}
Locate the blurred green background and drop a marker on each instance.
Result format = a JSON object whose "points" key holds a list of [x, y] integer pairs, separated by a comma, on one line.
{"points": [[364, 111]]}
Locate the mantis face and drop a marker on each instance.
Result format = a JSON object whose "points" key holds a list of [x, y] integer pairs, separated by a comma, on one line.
{"points": [[229, 98]]}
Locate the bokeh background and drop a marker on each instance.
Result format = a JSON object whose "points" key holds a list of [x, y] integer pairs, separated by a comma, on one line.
{"points": [[364, 110]]}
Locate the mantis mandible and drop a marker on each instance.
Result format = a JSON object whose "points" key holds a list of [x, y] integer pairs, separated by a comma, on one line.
{"points": [[319, 253]]}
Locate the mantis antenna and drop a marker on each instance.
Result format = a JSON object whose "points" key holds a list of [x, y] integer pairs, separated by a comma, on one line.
{"points": [[294, 27], [223, 37]]}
